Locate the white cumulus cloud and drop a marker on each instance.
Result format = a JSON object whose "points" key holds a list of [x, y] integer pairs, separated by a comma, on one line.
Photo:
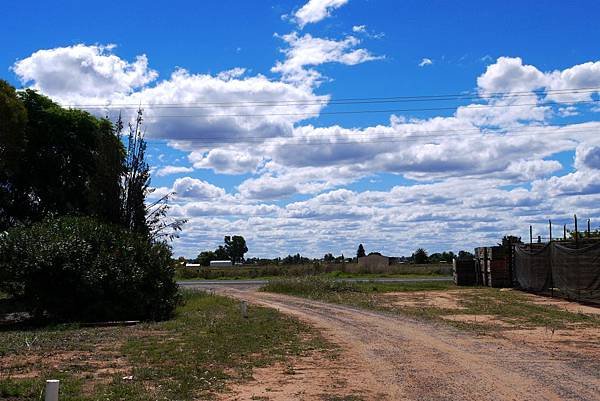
{"points": [[169, 170], [425, 62], [308, 51], [83, 73], [316, 10]]}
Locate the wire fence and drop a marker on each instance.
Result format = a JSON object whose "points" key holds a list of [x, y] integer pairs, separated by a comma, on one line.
{"points": [[567, 266]]}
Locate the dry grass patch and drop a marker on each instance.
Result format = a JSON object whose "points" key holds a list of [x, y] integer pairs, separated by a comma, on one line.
{"points": [[193, 356]]}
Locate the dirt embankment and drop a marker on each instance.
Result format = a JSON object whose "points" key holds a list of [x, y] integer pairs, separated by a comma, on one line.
{"points": [[389, 357]]}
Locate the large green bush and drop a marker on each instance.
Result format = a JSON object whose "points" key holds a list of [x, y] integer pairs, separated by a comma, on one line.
{"points": [[78, 269]]}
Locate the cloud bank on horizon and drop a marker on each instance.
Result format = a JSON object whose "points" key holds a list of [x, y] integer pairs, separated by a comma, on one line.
{"points": [[489, 168]]}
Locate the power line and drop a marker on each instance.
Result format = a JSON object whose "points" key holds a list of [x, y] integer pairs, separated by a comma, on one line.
{"points": [[388, 138], [344, 101], [424, 133], [342, 112]]}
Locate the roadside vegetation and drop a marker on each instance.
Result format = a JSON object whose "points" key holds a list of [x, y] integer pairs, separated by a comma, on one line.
{"points": [[509, 309], [346, 270], [207, 345], [79, 240]]}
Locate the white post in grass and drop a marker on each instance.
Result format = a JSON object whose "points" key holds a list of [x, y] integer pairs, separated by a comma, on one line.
{"points": [[244, 308], [52, 390]]}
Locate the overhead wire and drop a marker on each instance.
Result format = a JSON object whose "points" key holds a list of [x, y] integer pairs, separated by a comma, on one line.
{"points": [[343, 101], [478, 131], [342, 112], [386, 138]]}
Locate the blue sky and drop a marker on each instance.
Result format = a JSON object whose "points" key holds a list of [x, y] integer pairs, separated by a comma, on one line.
{"points": [[462, 173]]}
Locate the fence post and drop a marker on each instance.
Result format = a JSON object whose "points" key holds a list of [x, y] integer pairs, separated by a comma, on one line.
{"points": [[244, 309], [530, 237], [51, 390], [589, 230], [565, 232]]}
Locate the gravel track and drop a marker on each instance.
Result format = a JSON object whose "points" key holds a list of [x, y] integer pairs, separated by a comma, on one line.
{"points": [[405, 359]]}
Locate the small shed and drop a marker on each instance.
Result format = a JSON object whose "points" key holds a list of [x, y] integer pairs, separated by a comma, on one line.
{"points": [[220, 263], [373, 263]]}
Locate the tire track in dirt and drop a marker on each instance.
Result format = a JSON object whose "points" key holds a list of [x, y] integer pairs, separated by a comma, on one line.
{"points": [[413, 360]]}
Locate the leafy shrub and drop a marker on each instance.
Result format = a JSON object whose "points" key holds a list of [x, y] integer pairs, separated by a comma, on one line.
{"points": [[77, 269]]}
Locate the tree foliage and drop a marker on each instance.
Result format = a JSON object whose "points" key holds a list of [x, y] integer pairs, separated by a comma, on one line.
{"points": [[445, 257], [136, 180], [110, 259], [13, 121], [152, 219], [465, 255], [235, 247], [205, 257], [55, 161], [295, 260], [420, 256], [360, 252]]}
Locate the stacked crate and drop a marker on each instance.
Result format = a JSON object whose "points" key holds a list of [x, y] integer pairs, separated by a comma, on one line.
{"points": [[480, 271], [464, 271], [493, 266]]}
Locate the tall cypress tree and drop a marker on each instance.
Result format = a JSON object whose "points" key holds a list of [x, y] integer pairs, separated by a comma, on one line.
{"points": [[149, 220], [361, 251]]}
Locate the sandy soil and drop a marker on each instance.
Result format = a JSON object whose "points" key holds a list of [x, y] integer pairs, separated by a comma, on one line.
{"points": [[437, 299], [564, 304], [477, 319], [389, 357], [312, 377]]}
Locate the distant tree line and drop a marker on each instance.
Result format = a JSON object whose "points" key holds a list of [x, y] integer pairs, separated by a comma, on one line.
{"points": [[420, 256]]}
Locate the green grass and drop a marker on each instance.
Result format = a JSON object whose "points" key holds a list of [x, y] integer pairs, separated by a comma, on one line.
{"points": [[424, 274], [511, 307], [319, 287], [193, 356], [325, 275], [348, 270]]}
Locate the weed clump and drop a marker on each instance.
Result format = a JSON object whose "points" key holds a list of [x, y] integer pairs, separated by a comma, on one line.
{"points": [[310, 285]]}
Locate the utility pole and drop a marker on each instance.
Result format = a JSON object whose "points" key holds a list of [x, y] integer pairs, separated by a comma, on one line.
{"points": [[576, 233]]}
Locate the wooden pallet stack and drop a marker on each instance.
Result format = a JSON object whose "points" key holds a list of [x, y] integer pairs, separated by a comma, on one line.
{"points": [[464, 271], [493, 267]]}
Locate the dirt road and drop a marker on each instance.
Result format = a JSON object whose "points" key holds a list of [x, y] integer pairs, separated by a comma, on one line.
{"points": [[389, 357]]}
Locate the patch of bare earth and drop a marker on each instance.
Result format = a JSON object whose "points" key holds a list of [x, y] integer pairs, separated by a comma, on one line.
{"points": [[98, 367], [577, 344], [492, 320], [98, 360], [393, 357], [436, 299], [564, 304], [311, 377]]}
